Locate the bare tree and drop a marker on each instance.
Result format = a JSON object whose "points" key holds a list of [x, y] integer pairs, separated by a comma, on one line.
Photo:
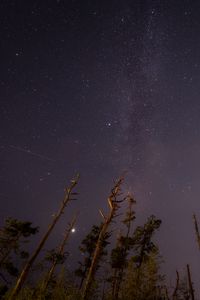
{"points": [[113, 206], [60, 253], [174, 296], [22, 277], [196, 230], [191, 289], [119, 254]]}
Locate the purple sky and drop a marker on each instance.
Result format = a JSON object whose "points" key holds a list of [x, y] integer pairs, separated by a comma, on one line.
{"points": [[99, 88]]}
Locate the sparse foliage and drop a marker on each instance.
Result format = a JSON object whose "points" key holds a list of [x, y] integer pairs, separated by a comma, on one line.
{"points": [[13, 237], [131, 271]]}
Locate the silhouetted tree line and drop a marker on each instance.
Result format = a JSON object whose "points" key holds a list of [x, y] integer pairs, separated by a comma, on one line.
{"points": [[128, 269]]}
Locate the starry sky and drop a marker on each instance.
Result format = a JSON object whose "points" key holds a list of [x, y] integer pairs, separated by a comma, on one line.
{"points": [[101, 88]]}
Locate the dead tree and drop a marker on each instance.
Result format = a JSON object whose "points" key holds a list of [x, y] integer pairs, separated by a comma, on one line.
{"points": [[22, 277], [191, 289], [166, 293], [174, 296], [113, 206], [123, 246], [60, 252], [196, 230]]}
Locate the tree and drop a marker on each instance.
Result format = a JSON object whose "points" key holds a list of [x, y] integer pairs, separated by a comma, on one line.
{"points": [[87, 249], [147, 286], [143, 276], [196, 226], [120, 252], [67, 198], [59, 256], [191, 289], [13, 236], [142, 240], [113, 203], [182, 291]]}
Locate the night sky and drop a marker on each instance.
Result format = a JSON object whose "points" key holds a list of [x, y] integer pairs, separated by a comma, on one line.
{"points": [[102, 88]]}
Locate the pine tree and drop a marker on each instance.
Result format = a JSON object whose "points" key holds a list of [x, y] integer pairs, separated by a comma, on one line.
{"points": [[120, 252], [87, 249], [13, 236], [147, 286], [143, 276]]}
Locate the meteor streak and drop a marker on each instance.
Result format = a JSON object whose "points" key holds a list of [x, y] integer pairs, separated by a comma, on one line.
{"points": [[31, 153]]}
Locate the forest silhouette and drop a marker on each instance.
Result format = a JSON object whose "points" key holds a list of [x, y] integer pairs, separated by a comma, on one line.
{"points": [[128, 268]]}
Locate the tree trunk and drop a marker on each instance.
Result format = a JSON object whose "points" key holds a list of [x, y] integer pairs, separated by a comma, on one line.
{"points": [[113, 204], [190, 282], [60, 252], [196, 230], [174, 296], [30, 262], [119, 278]]}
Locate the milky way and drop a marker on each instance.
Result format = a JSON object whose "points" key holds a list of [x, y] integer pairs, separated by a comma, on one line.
{"points": [[99, 89]]}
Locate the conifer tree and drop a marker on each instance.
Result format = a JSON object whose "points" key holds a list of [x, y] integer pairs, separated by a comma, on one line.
{"points": [[147, 286], [87, 249], [142, 239], [143, 271], [13, 236], [120, 252]]}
